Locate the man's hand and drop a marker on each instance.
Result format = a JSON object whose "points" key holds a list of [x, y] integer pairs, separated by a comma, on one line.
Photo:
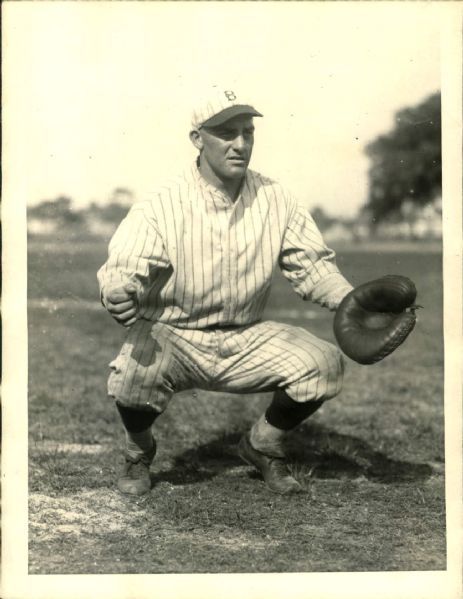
{"points": [[121, 303]]}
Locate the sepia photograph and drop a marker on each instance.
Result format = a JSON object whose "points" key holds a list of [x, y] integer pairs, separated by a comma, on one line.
{"points": [[227, 272]]}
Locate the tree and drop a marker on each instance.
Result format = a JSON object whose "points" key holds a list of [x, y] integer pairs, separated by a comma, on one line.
{"points": [[115, 208], [59, 210], [406, 163]]}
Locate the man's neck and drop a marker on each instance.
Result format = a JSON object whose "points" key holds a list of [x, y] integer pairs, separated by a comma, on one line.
{"points": [[230, 187]]}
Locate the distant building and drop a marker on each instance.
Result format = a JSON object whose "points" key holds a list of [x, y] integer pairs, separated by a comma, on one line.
{"points": [[414, 222], [338, 231], [100, 227], [41, 226]]}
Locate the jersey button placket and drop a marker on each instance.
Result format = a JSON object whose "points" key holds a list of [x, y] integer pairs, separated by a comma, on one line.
{"points": [[232, 273], [225, 235]]}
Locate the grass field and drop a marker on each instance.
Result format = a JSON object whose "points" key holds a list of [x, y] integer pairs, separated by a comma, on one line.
{"points": [[371, 460]]}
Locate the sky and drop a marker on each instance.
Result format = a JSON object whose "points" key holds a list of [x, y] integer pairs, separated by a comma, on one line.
{"points": [[98, 95]]}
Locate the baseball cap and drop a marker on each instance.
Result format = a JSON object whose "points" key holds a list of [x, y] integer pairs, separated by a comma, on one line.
{"points": [[220, 105]]}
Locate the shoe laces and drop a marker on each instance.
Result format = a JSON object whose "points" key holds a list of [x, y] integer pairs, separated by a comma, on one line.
{"points": [[136, 469], [279, 467]]}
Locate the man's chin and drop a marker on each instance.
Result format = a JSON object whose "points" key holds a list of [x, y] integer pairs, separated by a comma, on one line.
{"points": [[237, 169]]}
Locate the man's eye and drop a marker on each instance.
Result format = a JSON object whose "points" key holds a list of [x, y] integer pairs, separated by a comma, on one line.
{"points": [[230, 134]]}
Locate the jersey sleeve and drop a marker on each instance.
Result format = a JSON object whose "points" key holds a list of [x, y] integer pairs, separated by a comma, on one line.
{"points": [[136, 253], [310, 265]]}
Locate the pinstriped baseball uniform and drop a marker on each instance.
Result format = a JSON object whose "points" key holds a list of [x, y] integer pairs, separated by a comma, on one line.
{"points": [[203, 267]]}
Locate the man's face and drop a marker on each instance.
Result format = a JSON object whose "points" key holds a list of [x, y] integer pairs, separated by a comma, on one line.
{"points": [[227, 148]]}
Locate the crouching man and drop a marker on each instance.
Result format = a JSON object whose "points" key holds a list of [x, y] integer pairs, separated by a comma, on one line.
{"points": [[189, 272]]}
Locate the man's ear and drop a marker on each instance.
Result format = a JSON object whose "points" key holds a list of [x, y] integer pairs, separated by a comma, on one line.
{"points": [[196, 139]]}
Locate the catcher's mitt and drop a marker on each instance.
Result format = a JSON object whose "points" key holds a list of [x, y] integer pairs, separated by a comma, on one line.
{"points": [[372, 320]]}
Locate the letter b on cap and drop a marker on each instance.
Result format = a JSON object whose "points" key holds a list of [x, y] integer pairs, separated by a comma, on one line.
{"points": [[230, 95]]}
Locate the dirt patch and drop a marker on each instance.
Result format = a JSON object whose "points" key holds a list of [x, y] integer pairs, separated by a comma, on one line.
{"points": [[98, 512]]}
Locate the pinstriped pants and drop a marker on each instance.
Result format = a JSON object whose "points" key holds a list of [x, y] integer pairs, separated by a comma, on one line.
{"points": [[158, 360]]}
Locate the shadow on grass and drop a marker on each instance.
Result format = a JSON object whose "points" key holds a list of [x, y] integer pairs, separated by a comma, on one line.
{"points": [[315, 451], [331, 455]]}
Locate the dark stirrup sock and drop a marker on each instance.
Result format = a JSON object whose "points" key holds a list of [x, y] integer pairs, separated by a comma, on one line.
{"points": [[137, 420], [285, 413]]}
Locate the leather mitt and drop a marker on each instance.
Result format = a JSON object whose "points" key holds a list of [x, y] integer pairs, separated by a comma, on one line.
{"points": [[375, 318]]}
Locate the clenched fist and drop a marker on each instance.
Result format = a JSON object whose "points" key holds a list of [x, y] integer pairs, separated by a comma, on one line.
{"points": [[121, 303]]}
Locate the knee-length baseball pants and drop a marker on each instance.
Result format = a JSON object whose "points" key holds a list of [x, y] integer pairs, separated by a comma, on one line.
{"points": [[158, 360]]}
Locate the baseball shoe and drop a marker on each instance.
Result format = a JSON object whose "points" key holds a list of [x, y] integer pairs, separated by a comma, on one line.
{"points": [[135, 478], [274, 470]]}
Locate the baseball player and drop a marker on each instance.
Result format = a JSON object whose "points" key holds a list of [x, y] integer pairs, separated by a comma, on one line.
{"points": [[189, 272]]}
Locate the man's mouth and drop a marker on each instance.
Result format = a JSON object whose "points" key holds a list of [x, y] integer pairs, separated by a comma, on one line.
{"points": [[237, 159]]}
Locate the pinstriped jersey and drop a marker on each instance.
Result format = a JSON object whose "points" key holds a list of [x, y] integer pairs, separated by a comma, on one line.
{"points": [[200, 260]]}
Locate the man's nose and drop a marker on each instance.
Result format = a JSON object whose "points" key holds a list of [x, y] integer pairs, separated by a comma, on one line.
{"points": [[239, 143]]}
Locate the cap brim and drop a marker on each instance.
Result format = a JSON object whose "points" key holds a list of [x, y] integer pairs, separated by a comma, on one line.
{"points": [[229, 113]]}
